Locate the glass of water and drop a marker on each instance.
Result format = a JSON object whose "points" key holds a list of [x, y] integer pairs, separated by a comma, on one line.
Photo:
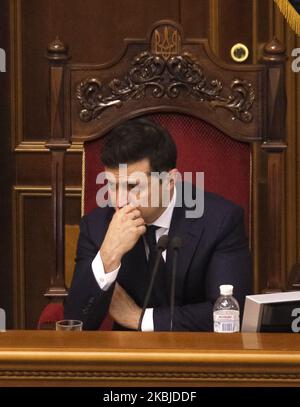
{"points": [[69, 325]]}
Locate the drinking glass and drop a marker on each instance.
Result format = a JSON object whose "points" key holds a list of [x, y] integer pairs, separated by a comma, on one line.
{"points": [[69, 325]]}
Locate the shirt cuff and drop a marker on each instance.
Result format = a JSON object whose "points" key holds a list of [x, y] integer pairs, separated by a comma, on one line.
{"points": [[147, 322], [104, 280]]}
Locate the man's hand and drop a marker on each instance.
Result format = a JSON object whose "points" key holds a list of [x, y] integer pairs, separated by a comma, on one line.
{"points": [[123, 309], [123, 232]]}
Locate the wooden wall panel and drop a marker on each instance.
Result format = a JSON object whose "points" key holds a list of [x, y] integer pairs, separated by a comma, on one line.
{"points": [[291, 156], [194, 16], [32, 248], [297, 164], [34, 169], [37, 260], [6, 168], [234, 25], [263, 20]]}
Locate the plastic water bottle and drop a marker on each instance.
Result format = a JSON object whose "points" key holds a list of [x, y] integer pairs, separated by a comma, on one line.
{"points": [[2, 320], [226, 311]]}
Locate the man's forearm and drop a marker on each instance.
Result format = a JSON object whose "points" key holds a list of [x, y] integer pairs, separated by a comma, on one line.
{"points": [[111, 261]]}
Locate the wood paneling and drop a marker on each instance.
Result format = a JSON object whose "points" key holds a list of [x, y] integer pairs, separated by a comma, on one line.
{"points": [[32, 248], [31, 252], [6, 169], [262, 20], [292, 203], [235, 25], [34, 169], [37, 262], [194, 16], [291, 155], [297, 164]]}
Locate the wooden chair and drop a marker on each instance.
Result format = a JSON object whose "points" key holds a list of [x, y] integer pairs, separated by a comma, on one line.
{"points": [[223, 118]]}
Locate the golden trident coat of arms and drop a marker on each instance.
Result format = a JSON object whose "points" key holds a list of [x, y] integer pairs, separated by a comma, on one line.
{"points": [[166, 41]]}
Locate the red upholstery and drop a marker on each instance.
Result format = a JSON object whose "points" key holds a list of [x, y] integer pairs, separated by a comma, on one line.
{"points": [[53, 312]]}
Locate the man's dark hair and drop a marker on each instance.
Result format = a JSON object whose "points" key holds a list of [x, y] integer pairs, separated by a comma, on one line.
{"points": [[137, 139]]}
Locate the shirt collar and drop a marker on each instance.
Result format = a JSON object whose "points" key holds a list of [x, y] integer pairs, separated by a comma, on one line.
{"points": [[165, 218]]}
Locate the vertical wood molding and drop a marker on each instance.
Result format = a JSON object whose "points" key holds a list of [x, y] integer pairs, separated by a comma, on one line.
{"points": [[276, 274], [16, 72], [291, 161], [292, 179], [18, 261], [255, 241], [214, 25], [298, 159], [255, 154], [279, 24], [58, 276], [274, 57], [254, 31], [271, 19], [58, 143]]}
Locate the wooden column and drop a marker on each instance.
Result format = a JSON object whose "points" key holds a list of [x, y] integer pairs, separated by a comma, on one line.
{"points": [[274, 145], [58, 143]]}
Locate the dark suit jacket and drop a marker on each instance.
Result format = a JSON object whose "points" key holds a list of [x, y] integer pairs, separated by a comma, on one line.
{"points": [[214, 252]]}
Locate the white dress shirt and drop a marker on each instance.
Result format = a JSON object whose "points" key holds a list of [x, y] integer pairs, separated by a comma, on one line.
{"points": [[105, 280]]}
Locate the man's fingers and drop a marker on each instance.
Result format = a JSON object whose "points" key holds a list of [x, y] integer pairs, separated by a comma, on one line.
{"points": [[139, 222], [127, 208], [134, 214], [141, 229]]}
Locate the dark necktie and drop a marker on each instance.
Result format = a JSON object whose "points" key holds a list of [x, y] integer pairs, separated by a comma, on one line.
{"points": [[159, 293], [150, 237]]}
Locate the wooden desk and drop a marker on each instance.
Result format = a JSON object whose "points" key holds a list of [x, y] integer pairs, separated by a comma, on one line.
{"points": [[50, 358]]}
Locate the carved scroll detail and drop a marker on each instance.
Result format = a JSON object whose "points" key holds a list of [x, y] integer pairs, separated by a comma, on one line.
{"points": [[153, 75]]}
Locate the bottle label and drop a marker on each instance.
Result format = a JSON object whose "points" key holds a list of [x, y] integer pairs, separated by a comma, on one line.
{"points": [[226, 321]]}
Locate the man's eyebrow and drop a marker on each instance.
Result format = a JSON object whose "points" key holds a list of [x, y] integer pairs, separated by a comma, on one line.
{"points": [[129, 180]]}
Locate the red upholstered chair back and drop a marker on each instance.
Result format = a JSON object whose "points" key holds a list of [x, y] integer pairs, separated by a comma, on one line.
{"points": [[226, 162]]}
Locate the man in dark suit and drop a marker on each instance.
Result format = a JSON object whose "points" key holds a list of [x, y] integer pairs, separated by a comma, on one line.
{"points": [[115, 249]]}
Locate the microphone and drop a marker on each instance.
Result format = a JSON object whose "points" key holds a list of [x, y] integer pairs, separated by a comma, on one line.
{"points": [[161, 245], [175, 246]]}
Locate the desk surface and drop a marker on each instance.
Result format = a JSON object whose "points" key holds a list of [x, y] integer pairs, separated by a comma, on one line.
{"points": [[135, 358]]}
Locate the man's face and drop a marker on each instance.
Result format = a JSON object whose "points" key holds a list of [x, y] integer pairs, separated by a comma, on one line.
{"points": [[133, 183]]}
